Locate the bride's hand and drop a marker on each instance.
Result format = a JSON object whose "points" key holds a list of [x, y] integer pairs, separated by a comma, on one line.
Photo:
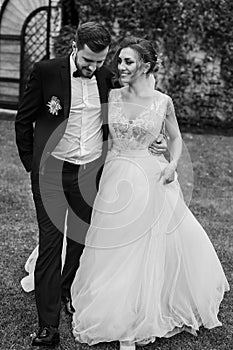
{"points": [[168, 173]]}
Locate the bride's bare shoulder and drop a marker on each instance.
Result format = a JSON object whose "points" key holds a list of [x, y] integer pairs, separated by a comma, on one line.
{"points": [[162, 96]]}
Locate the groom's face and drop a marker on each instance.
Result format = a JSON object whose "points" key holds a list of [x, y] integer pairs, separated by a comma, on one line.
{"points": [[88, 61]]}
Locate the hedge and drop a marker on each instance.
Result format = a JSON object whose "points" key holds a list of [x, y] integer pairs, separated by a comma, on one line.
{"points": [[195, 39]]}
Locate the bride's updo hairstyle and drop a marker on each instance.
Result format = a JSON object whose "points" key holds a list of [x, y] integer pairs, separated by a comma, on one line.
{"points": [[144, 49]]}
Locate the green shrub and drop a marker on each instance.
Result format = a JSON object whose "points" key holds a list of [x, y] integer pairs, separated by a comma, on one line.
{"points": [[195, 39]]}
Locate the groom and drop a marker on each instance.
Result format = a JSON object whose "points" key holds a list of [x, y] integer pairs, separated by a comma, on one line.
{"points": [[65, 98], [61, 126]]}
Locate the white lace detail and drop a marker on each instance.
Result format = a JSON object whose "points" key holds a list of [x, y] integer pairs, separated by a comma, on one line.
{"points": [[141, 131]]}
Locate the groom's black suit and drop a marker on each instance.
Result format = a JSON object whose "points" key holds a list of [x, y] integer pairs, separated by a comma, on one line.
{"points": [[50, 78], [37, 133]]}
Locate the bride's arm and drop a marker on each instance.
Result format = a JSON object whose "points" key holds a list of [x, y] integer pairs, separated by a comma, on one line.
{"points": [[173, 131], [175, 143]]}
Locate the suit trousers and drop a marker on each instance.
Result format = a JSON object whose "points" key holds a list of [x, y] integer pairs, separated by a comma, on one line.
{"points": [[64, 195]]}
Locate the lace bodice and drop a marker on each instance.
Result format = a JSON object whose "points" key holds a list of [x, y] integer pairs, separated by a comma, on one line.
{"points": [[144, 128]]}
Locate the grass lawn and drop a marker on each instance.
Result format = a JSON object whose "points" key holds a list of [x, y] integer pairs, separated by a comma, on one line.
{"points": [[212, 203]]}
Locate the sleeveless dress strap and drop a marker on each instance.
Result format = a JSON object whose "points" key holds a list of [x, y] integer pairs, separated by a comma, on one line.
{"points": [[114, 95]]}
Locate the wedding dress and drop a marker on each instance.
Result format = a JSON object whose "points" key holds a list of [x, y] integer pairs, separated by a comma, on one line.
{"points": [[148, 268]]}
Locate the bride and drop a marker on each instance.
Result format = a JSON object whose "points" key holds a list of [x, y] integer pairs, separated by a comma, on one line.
{"points": [[148, 268]]}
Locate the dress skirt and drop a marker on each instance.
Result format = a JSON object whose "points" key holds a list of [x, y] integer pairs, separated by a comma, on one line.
{"points": [[148, 268]]}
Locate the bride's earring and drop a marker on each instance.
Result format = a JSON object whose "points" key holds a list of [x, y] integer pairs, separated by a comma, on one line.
{"points": [[146, 68]]}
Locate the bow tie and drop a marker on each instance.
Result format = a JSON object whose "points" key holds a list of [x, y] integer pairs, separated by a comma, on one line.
{"points": [[78, 74]]}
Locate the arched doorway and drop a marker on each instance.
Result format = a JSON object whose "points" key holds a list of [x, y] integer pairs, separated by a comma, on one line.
{"points": [[35, 42], [26, 28]]}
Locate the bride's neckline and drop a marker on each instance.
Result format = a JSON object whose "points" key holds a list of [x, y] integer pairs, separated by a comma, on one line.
{"points": [[145, 109]]}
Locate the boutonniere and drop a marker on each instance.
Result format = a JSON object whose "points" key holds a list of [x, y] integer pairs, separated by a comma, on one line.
{"points": [[54, 105]]}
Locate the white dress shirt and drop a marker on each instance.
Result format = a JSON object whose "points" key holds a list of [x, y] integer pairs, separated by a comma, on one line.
{"points": [[82, 141]]}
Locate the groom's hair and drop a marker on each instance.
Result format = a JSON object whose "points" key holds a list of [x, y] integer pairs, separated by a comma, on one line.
{"points": [[94, 35]]}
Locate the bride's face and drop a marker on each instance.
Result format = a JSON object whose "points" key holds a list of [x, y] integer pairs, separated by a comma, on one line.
{"points": [[129, 66]]}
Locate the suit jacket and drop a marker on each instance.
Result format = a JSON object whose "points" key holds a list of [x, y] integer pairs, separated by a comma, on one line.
{"points": [[37, 130]]}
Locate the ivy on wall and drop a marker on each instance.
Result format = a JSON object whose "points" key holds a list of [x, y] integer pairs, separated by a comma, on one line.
{"points": [[196, 42], [70, 15]]}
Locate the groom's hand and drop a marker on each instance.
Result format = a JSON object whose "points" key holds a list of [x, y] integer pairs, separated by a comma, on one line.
{"points": [[158, 146]]}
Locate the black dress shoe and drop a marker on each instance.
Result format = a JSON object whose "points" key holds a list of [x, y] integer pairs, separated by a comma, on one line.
{"points": [[70, 310], [47, 336]]}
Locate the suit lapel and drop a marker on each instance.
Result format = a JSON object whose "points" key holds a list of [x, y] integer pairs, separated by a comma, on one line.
{"points": [[102, 85], [103, 92], [66, 85]]}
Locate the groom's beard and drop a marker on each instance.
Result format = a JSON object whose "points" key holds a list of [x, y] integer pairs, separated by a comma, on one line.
{"points": [[90, 73], [79, 72]]}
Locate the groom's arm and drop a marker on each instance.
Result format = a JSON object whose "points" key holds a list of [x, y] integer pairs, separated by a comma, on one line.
{"points": [[27, 113], [159, 146]]}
